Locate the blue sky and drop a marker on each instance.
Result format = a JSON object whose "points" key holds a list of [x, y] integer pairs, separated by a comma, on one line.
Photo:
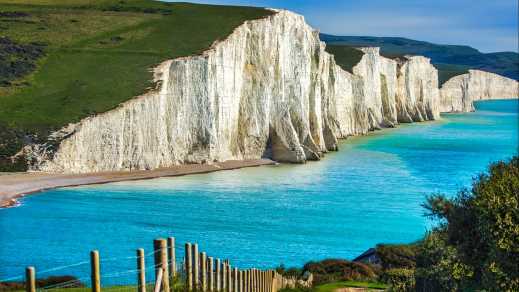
{"points": [[488, 25]]}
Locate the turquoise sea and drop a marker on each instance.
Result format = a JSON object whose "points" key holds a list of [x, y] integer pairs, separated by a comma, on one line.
{"points": [[367, 193]]}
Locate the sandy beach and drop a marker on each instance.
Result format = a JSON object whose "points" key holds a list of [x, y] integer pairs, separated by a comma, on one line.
{"points": [[15, 185]]}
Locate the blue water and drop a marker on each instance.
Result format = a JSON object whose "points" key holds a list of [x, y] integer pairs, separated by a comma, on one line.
{"points": [[367, 193]]}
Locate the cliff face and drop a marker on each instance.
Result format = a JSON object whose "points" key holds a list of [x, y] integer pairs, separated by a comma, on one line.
{"points": [[458, 94], [418, 94], [268, 90]]}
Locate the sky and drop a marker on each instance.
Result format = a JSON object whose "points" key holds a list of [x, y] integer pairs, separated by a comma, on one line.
{"points": [[487, 25]]}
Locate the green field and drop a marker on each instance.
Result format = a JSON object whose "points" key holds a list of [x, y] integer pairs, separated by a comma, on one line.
{"points": [[97, 54]]}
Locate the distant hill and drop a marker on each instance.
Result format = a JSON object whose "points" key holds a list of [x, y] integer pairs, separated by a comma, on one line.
{"points": [[450, 60]]}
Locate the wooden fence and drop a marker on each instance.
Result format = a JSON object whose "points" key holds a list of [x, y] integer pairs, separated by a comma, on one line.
{"points": [[199, 272]]}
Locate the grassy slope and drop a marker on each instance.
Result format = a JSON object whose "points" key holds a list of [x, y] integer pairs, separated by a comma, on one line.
{"points": [[450, 60], [100, 53], [346, 57], [447, 71]]}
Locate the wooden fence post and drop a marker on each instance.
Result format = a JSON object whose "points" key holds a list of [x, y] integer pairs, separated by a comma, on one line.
{"points": [[203, 270], [224, 277], [261, 282], [257, 280], [218, 273], [253, 280], [236, 282], [275, 281], [272, 279], [141, 269], [267, 281], [30, 279], [189, 269], [161, 261], [158, 280], [196, 266], [95, 271], [210, 271], [229, 278], [247, 280], [262, 277], [240, 282], [172, 258]]}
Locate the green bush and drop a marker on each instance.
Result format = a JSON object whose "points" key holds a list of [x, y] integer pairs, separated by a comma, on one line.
{"points": [[17, 60], [476, 245], [332, 270], [399, 279], [43, 282], [439, 266], [289, 272], [397, 255], [11, 141]]}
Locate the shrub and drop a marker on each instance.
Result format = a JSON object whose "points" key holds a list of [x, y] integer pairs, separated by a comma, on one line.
{"points": [[399, 279], [331, 270], [475, 245], [44, 282], [17, 60], [11, 141], [397, 255], [289, 272]]}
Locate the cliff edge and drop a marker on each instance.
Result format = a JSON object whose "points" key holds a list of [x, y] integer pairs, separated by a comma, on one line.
{"points": [[268, 90], [459, 93]]}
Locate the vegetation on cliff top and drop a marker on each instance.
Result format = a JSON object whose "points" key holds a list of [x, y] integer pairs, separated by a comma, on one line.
{"points": [[346, 57], [450, 60], [66, 60]]}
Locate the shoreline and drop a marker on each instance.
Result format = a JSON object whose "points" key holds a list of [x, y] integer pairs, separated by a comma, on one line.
{"points": [[16, 185]]}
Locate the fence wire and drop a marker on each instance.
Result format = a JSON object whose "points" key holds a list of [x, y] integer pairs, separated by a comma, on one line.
{"points": [[191, 270]]}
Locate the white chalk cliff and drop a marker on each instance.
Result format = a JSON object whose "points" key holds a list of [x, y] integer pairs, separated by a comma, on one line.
{"points": [[459, 93], [269, 90]]}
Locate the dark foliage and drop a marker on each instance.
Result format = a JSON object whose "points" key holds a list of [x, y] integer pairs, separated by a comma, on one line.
{"points": [[397, 256], [11, 141], [40, 283], [289, 272], [399, 279], [17, 60], [332, 270], [13, 14], [345, 56], [476, 245]]}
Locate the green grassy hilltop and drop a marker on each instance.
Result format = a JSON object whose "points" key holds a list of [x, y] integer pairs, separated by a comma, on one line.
{"points": [[63, 60], [450, 60]]}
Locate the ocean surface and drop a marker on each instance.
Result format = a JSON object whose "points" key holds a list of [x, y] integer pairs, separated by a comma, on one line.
{"points": [[367, 193]]}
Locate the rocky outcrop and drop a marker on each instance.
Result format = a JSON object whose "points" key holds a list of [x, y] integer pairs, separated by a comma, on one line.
{"points": [[269, 90], [417, 91], [458, 93]]}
